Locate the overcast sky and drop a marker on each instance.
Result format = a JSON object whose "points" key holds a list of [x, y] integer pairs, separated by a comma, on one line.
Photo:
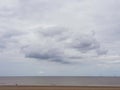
{"points": [[59, 37]]}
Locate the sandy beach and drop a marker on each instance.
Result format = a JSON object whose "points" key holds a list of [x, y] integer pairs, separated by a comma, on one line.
{"points": [[59, 83], [59, 88]]}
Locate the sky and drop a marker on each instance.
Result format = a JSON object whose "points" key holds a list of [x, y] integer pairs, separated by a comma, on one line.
{"points": [[59, 37]]}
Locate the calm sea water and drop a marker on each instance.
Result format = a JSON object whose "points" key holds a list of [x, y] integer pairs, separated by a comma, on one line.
{"points": [[61, 81]]}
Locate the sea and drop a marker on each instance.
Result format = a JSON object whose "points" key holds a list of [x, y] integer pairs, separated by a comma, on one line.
{"points": [[59, 81]]}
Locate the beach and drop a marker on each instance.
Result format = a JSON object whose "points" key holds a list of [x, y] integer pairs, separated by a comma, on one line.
{"points": [[59, 83], [59, 88]]}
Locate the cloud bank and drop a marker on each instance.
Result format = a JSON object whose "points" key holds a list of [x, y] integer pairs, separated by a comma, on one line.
{"points": [[66, 35], [53, 43]]}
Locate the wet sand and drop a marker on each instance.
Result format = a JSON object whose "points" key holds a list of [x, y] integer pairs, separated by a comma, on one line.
{"points": [[59, 88]]}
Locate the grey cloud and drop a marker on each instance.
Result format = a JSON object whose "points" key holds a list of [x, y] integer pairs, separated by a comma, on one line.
{"points": [[11, 34], [51, 43], [85, 43], [3, 42], [39, 43], [59, 34], [44, 55], [2, 45], [50, 54], [9, 9], [38, 8], [102, 51], [9, 39], [57, 44], [62, 61], [52, 31], [50, 48], [48, 57], [27, 9]]}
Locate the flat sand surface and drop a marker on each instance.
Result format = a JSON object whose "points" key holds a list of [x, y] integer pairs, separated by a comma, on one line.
{"points": [[59, 88]]}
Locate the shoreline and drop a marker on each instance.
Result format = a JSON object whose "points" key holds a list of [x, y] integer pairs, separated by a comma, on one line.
{"points": [[59, 87]]}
